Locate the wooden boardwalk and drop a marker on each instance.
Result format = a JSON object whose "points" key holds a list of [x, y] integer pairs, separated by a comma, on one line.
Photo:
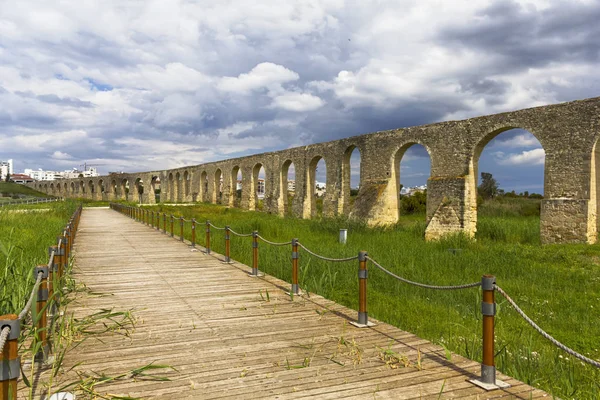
{"points": [[213, 324]]}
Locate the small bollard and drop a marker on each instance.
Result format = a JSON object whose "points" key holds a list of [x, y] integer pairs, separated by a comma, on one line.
{"points": [[363, 316], [193, 232], [181, 228], [172, 219], [488, 379], [255, 253], [40, 313], [343, 236], [295, 256], [207, 237], [11, 363], [227, 245]]}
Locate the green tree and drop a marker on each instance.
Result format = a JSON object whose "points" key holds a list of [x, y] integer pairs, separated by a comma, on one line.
{"points": [[488, 187], [7, 177]]}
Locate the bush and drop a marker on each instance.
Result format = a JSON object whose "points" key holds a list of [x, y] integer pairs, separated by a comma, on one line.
{"points": [[417, 203]]}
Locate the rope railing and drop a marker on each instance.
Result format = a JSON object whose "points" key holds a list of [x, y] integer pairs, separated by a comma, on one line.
{"points": [[543, 332], [424, 285], [326, 258], [488, 287], [46, 276]]}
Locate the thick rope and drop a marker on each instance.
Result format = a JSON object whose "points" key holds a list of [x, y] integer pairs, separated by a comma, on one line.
{"points": [[327, 258], [51, 260], [216, 227], [423, 285], [3, 337], [274, 243], [544, 333], [240, 234], [27, 307]]}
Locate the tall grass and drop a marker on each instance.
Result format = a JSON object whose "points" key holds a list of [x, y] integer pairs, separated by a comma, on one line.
{"points": [[24, 240], [557, 285]]}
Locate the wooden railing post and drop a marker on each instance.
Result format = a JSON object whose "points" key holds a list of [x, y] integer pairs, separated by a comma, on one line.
{"points": [[255, 253], [295, 285], [488, 379], [181, 228], [9, 360], [207, 237], [227, 245], [193, 232], [53, 273], [41, 319], [171, 225], [165, 223], [363, 316]]}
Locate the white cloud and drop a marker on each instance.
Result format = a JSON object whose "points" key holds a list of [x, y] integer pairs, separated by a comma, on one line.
{"points": [[528, 157], [264, 76], [298, 102]]}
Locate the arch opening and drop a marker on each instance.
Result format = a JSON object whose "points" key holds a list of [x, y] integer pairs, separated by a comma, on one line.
{"points": [[204, 186], [287, 187], [507, 185], [412, 169], [316, 186], [257, 199], [125, 189], [218, 187], [155, 188], [351, 174], [139, 188], [235, 195]]}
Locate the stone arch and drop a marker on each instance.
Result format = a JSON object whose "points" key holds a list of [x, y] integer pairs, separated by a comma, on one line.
{"points": [[344, 202], [258, 188], [125, 189], [155, 190], [91, 190], [73, 190], [139, 190], [66, 187], [395, 175], [285, 203], [113, 189], [101, 189], [204, 186], [310, 206], [217, 192], [470, 217], [52, 188]]}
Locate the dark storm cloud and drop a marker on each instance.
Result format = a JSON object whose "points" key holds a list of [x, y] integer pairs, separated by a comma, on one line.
{"points": [[518, 37]]}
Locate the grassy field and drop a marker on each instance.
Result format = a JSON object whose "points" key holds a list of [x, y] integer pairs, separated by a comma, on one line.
{"points": [[24, 241], [12, 191], [557, 285]]}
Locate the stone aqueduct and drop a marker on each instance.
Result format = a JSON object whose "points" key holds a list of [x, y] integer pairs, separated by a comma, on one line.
{"points": [[568, 132]]}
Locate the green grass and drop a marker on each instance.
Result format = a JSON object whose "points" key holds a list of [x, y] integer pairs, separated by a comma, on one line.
{"points": [[24, 241], [557, 285], [11, 191]]}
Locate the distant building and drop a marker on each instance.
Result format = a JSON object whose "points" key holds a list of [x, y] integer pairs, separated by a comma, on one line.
{"points": [[21, 178], [6, 168], [409, 191], [42, 175]]}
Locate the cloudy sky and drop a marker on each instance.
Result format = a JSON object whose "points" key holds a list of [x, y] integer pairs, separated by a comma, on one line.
{"points": [[140, 85]]}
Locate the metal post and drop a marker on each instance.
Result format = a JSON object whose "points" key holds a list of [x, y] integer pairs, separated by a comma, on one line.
{"points": [[207, 237], [10, 363], [171, 225], [255, 253], [193, 232], [227, 245], [40, 314], [488, 379], [363, 316], [181, 228], [295, 286]]}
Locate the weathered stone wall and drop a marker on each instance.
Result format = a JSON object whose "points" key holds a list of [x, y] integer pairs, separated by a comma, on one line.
{"points": [[568, 133]]}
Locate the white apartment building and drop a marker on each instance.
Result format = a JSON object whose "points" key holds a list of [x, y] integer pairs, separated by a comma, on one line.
{"points": [[6, 168], [41, 175]]}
